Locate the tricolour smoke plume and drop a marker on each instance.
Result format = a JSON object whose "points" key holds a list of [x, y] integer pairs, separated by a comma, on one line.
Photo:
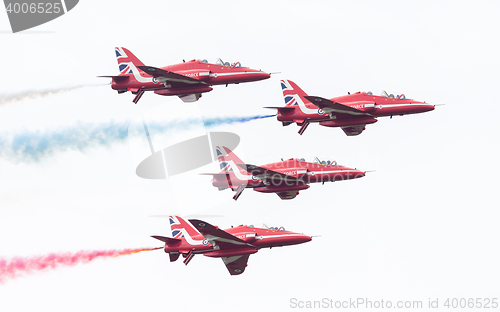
{"points": [[25, 145], [20, 266]]}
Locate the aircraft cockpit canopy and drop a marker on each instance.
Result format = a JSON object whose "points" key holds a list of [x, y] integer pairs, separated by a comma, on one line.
{"points": [[272, 228], [275, 228], [229, 63], [325, 162], [399, 96]]}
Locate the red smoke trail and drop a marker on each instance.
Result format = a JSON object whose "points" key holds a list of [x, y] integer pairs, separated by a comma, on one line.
{"points": [[18, 266]]}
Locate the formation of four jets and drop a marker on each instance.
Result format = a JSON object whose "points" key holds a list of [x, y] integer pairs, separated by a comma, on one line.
{"points": [[188, 80]]}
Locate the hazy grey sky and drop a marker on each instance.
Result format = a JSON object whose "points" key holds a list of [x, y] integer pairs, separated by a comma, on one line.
{"points": [[424, 225]]}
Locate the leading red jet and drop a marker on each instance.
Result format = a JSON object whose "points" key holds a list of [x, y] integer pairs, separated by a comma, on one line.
{"points": [[285, 178], [187, 80], [234, 245], [350, 112]]}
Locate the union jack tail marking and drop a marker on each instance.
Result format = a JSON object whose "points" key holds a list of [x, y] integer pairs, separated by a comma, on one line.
{"points": [[127, 61], [290, 91], [228, 161], [180, 227]]}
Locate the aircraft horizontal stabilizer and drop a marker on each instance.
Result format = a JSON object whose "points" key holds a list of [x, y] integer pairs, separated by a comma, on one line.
{"points": [[115, 78], [222, 175], [282, 109], [217, 176], [167, 240]]}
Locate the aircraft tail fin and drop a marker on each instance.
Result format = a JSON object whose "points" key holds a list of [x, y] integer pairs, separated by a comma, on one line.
{"points": [[127, 61], [228, 161], [290, 93], [185, 239], [181, 229]]}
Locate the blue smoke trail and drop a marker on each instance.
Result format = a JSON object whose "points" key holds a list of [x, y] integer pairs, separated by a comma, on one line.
{"points": [[35, 145], [219, 121]]}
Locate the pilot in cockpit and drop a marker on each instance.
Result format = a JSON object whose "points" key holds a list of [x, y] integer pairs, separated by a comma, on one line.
{"points": [[228, 64], [399, 97], [325, 162], [276, 228], [221, 62]]}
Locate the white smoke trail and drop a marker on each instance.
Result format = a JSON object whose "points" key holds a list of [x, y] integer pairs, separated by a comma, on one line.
{"points": [[17, 96]]}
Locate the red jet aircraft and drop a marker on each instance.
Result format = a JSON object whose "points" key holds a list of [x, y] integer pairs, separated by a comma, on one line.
{"points": [[350, 112], [187, 80], [233, 245], [285, 178]]}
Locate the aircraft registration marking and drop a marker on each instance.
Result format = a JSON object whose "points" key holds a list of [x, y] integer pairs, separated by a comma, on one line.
{"points": [[196, 74]]}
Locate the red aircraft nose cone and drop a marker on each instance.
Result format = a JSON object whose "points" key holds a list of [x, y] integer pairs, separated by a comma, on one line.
{"points": [[355, 173], [303, 239], [425, 108], [260, 75]]}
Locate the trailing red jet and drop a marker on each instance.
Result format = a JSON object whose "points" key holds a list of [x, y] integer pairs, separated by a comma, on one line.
{"points": [[187, 80], [234, 245], [350, 112], [285, 178]]}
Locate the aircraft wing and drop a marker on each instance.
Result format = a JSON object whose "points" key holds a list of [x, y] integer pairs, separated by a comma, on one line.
{"points": [[353, 130], [288, 195], [163, 75], [333, 107], [236, 264], [218, 237], [266, 174]]}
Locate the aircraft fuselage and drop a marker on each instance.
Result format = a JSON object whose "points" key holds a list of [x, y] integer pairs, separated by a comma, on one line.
{"points": [[208, 74], [376, 106], [305, 172], [257, 237]]}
